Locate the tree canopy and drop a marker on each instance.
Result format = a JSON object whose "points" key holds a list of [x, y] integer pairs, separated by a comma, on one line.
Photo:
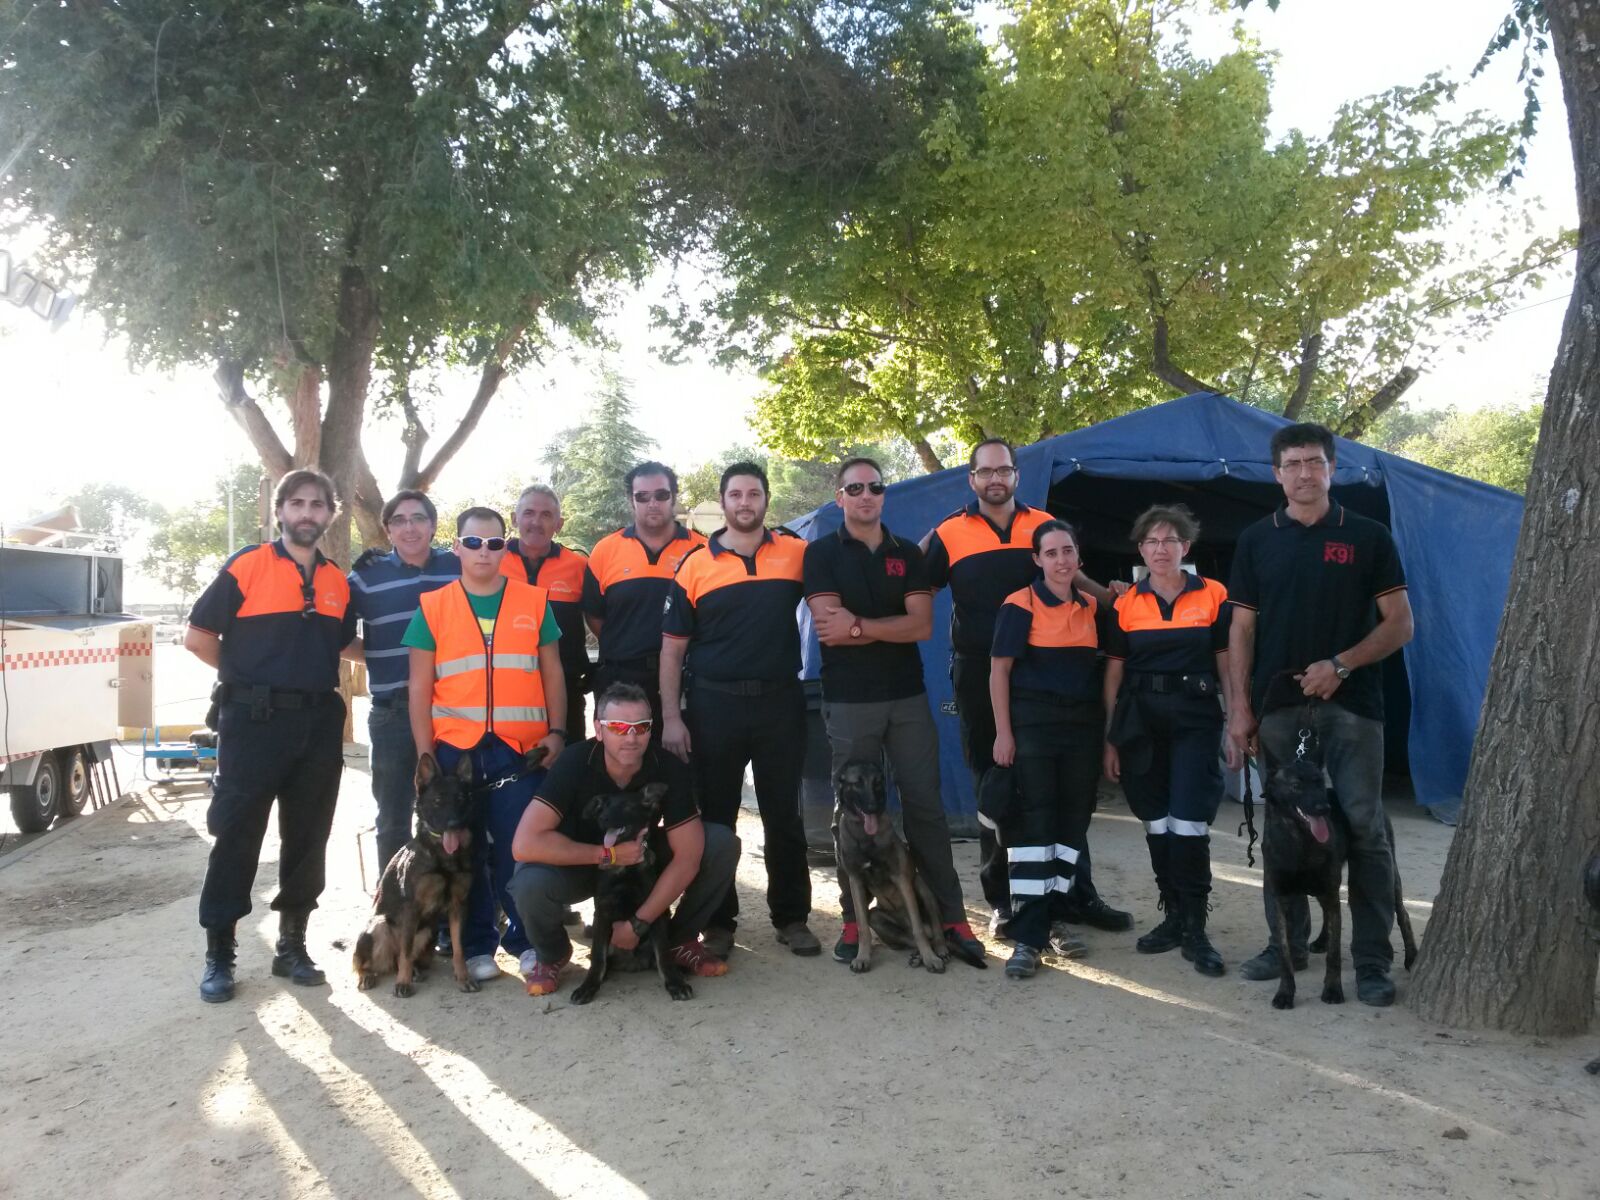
{"points": [[587, 462]]}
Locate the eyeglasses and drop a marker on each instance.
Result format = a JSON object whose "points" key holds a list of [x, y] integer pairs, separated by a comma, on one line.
{"points": [[308, 594], [659, 496], [1159, 543], [623, 728], [855, 489], [400, 522], [1293, 466], [473, 542], [993, 472]]}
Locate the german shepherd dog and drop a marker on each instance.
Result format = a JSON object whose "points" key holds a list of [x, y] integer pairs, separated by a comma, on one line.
{"points": [[1304, 848], [877, 865], [427, 879], [620, 890]]}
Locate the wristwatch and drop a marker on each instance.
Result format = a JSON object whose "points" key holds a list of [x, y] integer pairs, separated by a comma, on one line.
{"points": [[641, 929], [1339, 669], [855, 630]]}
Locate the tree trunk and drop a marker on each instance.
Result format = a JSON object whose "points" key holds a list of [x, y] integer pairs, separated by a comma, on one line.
{"points": [[930, 460], [1306, 374], [349, 372], [1507, 946], [1357, 421]]}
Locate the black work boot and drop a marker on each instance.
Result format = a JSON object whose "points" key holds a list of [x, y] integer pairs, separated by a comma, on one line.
{"points": [[1168, 935], [1197, 947], [292, 960], [1085, 907], [216, 985]]}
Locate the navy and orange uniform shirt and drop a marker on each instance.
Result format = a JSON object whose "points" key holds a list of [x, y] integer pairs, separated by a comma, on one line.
{"points": [[1315, 591], [279, 628], [738, 613], [560, 573], [1181, 638], [982, 564], [1055, 643], [625, 586]]}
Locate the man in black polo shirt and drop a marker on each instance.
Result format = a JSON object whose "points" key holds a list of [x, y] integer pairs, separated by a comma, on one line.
{"points": [[870, 605], [273, 624], [731, 611], [1319, 595], [560, 851]]}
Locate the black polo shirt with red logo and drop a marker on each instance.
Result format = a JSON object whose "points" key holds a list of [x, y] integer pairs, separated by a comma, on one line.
{"points": [[868, 583], [1315, 590]]}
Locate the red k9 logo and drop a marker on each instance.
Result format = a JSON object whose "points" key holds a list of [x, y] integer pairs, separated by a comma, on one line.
{"points": [[894, 566], [1338, 552]]}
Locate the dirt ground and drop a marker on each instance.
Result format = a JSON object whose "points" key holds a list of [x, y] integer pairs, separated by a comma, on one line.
{"points": [[1117, 1076]]}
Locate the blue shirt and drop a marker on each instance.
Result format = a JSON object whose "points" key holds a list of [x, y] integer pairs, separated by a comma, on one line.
{"points": [[384, 592]]}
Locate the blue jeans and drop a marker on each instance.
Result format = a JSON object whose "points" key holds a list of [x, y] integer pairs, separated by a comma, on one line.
{"points": [[393, 760], [494, 825]]}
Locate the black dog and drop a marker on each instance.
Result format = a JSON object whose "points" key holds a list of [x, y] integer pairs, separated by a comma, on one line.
{"points": [[620, 890], [427, 879], [1304, 847], [877, 865]]}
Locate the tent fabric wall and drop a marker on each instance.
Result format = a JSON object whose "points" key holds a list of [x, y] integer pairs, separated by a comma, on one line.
{"points": [[1456, 538]]}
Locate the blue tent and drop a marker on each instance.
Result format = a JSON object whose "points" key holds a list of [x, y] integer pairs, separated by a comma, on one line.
{"points": [[1456, 538]]}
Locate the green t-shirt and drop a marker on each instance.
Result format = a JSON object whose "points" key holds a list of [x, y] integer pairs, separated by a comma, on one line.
{"points": [[485, 608]]}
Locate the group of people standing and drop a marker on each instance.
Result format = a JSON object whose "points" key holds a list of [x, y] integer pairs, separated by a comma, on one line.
{"points": [[479, 652]]}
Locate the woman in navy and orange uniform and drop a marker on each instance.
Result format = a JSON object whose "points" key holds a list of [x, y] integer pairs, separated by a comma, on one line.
{"points": [[1048, 725], [1166, 672]]}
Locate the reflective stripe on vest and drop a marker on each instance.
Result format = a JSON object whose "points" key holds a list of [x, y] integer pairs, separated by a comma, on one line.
{"points": [[476, 662], [487, 685]]}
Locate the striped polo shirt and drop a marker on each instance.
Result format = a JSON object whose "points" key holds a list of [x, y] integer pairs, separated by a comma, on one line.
{"points": [[384, 592]]}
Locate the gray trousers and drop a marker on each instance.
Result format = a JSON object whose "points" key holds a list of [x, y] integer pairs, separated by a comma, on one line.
{"points": [[542, 894], [1352, 753], [904, 730]]}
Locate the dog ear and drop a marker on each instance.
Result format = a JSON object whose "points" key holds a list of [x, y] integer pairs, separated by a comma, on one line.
{"points": [[655, 796], [591, 810], [427, 770], [463, 770]]}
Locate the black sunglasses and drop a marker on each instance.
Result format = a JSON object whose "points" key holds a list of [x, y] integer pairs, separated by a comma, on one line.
{"points": [[308, 593], [473, 542], [855, 489], [659, 494]]}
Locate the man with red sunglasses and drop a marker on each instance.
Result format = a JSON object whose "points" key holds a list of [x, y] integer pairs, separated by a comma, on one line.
{"points": [[560, 850]]}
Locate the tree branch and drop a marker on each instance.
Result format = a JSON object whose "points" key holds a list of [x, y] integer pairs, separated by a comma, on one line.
{"points": [[269, 447], [367, 503], [1355, 424], [305, 415], [1310, 355], [1164, 369]]}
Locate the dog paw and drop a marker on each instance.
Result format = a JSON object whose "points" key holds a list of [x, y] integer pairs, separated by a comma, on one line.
{"points": [[915, 959], [680, 991], [582, 995], [469, 984], [1333, 995], [403, 989], [936, 964], [860, 965], [1283, 1000], [366, 983]]}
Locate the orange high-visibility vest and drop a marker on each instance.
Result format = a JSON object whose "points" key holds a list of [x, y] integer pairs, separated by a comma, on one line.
{"points": [[487, 685]]}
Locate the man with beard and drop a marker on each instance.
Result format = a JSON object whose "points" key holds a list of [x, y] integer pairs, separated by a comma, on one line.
{"points": [[731, 612], [625, 586], [273, 624], [534, 556], [984, 553]]}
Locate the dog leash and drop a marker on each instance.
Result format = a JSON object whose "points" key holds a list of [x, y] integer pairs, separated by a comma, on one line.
{"points": [[1249, 821]]}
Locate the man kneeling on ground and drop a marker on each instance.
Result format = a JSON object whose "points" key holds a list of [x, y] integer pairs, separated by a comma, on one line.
{"points": [[560, 852]]}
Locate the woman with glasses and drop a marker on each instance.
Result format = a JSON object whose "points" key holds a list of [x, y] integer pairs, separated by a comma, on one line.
{"points": [[1047, 721], [1166, 673]]}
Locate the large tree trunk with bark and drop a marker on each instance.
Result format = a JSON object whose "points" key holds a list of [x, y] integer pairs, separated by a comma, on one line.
{"points": [[1508, 946]]}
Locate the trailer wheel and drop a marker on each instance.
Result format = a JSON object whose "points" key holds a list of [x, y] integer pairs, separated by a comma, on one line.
{"points": [[74, 782], [34, 807]]}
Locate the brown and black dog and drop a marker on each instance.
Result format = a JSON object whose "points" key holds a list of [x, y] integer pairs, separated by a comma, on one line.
{"points": [[427, 879], [877, 866]]}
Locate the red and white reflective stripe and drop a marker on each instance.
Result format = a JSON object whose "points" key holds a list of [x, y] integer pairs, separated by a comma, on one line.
{"points": [[135, 649], [58, 658], [19, 757]]}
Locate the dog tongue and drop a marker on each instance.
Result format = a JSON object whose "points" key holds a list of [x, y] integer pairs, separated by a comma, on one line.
{"points": [[870, 821], [1319, 828], [452, 840], [612, 835]]}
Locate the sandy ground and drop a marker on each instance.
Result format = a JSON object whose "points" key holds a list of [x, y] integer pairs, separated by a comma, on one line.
{"points": [[1120, 1075]]}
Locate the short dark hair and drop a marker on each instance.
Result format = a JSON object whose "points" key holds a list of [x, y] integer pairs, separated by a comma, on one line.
{"points": [[478, 513], [295, 480], [743, 468], [651, 468], [619, 693], [400, 497], [1183, 522], [1304, 434], [860, 460], [1054, 525], [1011, 453]]}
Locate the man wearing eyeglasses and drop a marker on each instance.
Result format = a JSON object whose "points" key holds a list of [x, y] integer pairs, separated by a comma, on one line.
{"points": [[384, 591], [485, 677], [625, 586], [984, 553], [867, 591], [560, 850], [1319, 597], [534, 556], [273, 623]]}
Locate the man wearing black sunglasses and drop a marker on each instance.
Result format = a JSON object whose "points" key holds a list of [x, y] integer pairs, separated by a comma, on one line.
{"points": [[625, 586], [272, 624], [870, 604]]}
